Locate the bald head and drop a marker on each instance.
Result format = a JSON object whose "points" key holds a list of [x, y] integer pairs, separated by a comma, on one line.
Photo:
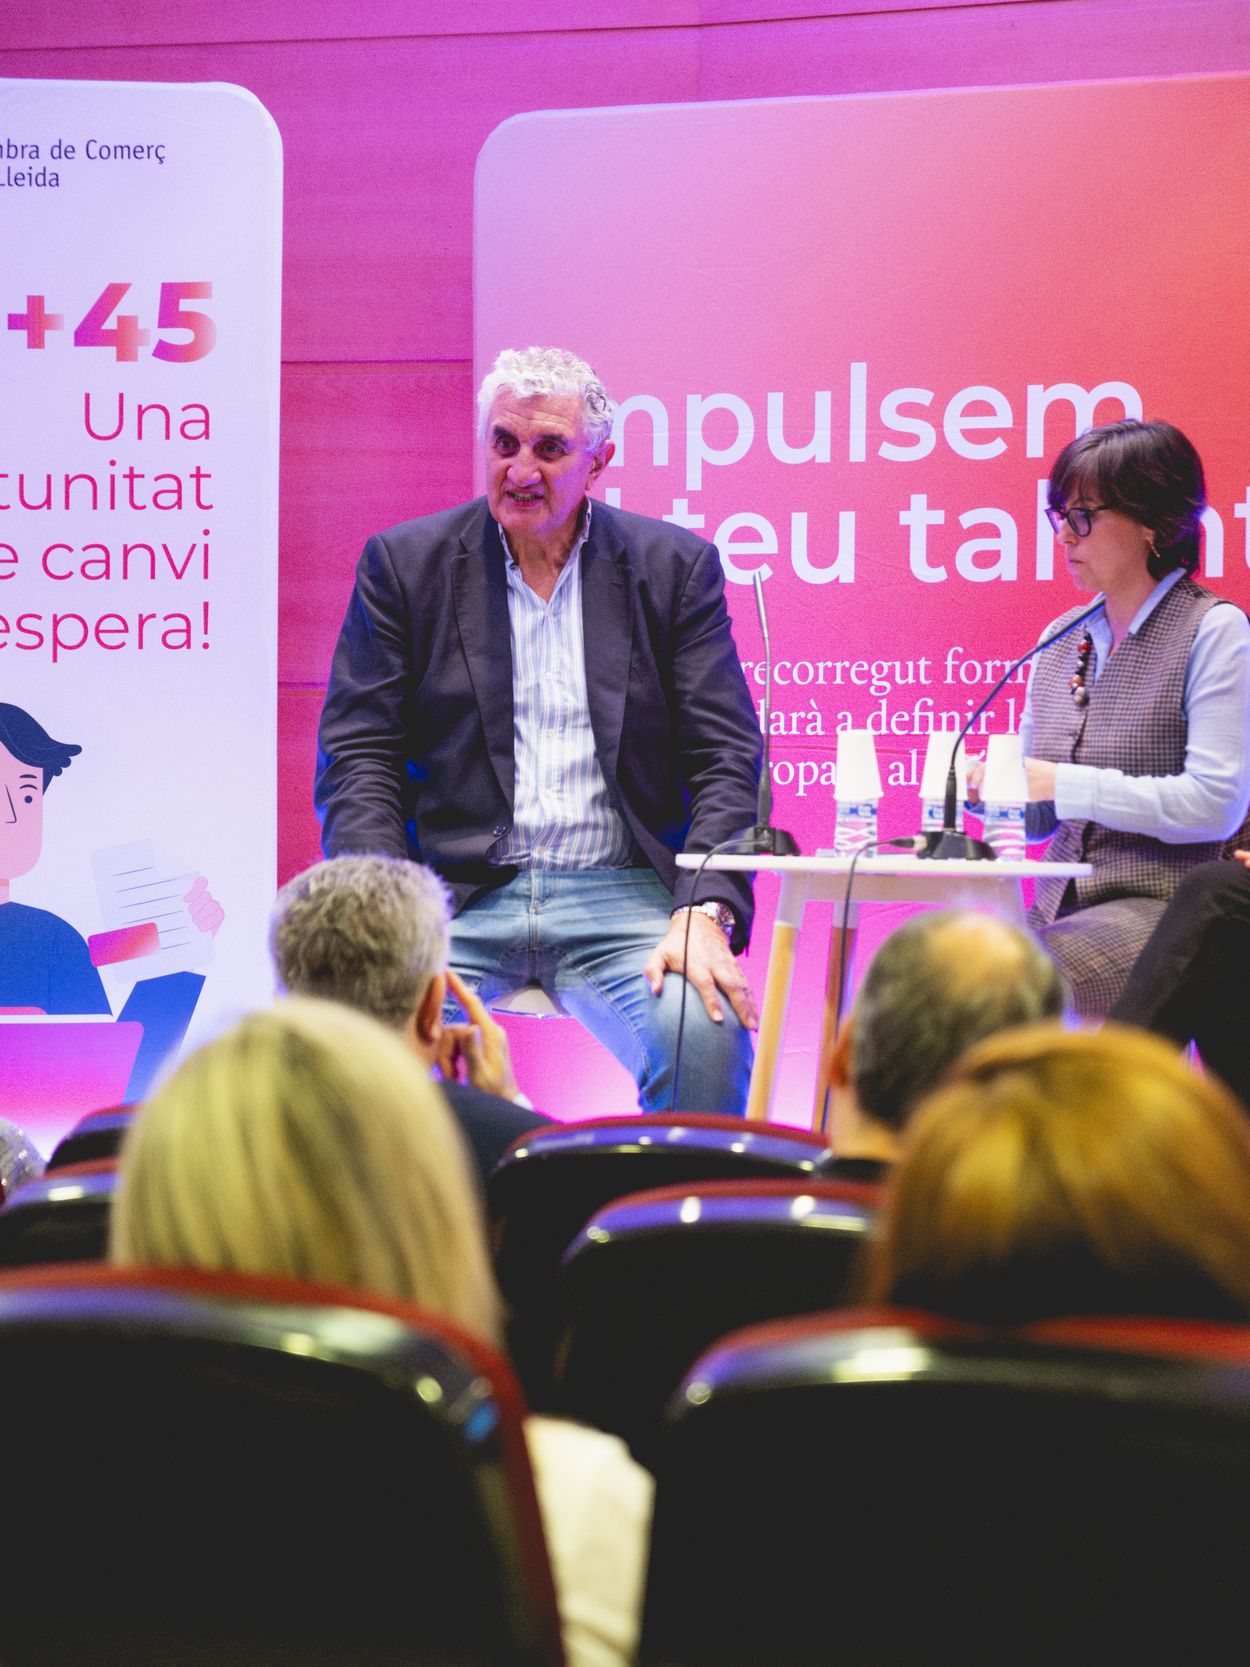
{"points": [[940, 983]]}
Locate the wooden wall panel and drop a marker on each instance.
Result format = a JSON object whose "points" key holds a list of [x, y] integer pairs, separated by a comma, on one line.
{"points": [[298, 833], [991, 46], [787, 12], [39, 23], [32, 24], [380, 141], [363, 446]]}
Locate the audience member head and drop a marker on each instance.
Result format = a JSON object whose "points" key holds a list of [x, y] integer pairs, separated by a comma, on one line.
{"points": [[1070, 1173], [1148, 471], [941, 982], [532, 372], [308, 1142], [370, 932]]}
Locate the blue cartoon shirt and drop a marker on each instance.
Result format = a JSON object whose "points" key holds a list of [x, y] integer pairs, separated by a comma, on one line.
{"points": [[44, 963]]}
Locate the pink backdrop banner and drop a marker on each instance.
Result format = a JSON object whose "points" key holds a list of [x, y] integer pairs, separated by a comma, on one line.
{"points": [[848, 335]]}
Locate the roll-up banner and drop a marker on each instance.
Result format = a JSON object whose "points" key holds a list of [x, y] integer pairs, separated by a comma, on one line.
{"points": [[140, 239]]}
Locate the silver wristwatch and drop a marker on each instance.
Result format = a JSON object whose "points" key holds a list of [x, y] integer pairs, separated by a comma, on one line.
{"points": [[721, 913]]}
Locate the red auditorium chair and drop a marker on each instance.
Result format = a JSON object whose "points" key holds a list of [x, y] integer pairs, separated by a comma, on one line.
{"points": [[655, 1278], [97, 1135], [275, 1475], [889, 1489], [61, 1217], [551, 1183]]}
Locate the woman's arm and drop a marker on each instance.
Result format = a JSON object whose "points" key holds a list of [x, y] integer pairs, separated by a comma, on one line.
{"points": [[1208, 799]]}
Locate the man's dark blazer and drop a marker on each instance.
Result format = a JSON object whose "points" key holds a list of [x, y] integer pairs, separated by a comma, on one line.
{"points": [[489, 1123], [416, 739]]}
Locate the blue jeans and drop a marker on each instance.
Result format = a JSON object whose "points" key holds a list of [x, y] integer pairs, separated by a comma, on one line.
{"points": [[584, 935]]}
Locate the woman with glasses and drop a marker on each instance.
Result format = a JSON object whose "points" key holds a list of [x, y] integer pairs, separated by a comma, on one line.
{"points": [[1135, 728]]}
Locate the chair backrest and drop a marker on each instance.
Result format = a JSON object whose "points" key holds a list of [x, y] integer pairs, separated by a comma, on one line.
{"points": [[98, 1135], [61, 1217], [224, 1468], [654, 1279], [551, 1183], [895, 1489]]}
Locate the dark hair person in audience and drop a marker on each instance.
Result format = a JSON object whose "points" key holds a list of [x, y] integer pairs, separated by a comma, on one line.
{"points": [[237, 1163], [373, 933], [1190, 981], [942, 981], [1135, 727], [1063, 1173]]}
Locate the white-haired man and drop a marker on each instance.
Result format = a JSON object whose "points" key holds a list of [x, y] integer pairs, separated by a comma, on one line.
{"points": [[372, 933], [543, 702]]}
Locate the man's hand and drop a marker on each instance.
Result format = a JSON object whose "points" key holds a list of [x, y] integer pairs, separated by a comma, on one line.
{"points": [[711, 967], [481, 1046], [1039, 773], [1243, 857]]}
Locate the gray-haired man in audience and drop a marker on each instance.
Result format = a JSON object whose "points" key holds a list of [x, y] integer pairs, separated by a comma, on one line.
{"points": [[372, 933], [940, 983]]}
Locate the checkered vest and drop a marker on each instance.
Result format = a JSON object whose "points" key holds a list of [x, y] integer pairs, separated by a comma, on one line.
{"points": [[1134, 722]]}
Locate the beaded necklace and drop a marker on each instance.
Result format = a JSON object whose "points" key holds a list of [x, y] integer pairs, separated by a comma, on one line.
{"points": [[1084, 653]]}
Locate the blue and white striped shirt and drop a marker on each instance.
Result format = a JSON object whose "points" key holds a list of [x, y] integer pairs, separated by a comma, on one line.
{"points": [[563, 815]]}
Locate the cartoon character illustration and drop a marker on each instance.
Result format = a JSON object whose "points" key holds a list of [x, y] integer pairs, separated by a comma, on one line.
{"points": [[46, 966]]}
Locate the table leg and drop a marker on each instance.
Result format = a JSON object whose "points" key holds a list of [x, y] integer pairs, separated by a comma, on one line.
{"points": [[830, 1018], [772, 1019]]}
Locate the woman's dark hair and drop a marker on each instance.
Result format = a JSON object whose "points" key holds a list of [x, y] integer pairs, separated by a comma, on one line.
{"points": [[30, 743], [1148, 471]]}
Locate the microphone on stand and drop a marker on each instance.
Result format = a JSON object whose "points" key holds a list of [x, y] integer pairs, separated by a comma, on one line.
{"points": [[950, 843], [763, 840]]}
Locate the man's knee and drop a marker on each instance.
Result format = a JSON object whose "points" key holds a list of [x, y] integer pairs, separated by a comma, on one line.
{"points": [[712, 1069]]}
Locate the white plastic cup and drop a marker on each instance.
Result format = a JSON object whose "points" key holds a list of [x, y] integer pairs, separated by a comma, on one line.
{"points": [[937, 763], [857, 790], [1004, 782], [857, 775]]}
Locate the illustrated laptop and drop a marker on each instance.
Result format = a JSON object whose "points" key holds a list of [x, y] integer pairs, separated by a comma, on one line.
{"points": [[55, 1067]]}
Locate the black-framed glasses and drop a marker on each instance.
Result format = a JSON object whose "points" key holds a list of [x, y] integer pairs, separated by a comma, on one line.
{"points": [[1080, 519]]}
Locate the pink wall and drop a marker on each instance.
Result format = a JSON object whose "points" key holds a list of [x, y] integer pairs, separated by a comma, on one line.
{"points": [[382, 123]]}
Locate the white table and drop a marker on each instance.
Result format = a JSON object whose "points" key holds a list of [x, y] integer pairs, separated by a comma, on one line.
{"points": [[991, 886]]}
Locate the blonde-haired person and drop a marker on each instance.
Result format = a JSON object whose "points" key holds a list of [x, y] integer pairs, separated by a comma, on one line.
{"points": [[236, 1163], [1066, 1173]]}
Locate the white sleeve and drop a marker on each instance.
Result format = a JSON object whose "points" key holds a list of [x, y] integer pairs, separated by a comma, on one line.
{"points": [[596, 1510], [1208, 799]]}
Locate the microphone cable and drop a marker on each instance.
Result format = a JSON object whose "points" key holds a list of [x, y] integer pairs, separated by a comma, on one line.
{"points": [[915, 843], [910, 842]]}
